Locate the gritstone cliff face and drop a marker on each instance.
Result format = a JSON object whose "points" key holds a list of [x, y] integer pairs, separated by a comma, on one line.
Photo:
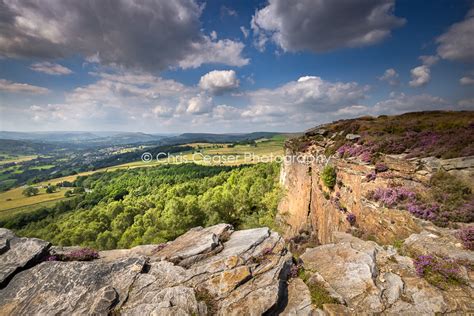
{"points": [[364, 164]]}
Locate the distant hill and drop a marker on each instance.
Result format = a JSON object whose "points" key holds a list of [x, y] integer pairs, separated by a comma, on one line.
{"points": [[91, 138], [216, 138]]}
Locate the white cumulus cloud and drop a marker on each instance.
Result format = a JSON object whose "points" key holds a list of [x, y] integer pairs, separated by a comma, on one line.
{"points": [[420, 76], [219, 81], [390, 76], [466, 81]]}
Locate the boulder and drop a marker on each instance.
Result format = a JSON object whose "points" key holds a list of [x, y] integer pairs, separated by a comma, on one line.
{"points": [[437, 241], [18, 253], [349, 271], [352, 136], [373, 279]]}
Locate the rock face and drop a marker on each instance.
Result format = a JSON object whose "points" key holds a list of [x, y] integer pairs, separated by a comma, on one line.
{"points": [[372, 279], [311, 207], [18, 253], [206, 271]]}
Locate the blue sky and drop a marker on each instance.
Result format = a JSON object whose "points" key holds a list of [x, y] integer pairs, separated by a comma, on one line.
{"points": [[229, 66]]}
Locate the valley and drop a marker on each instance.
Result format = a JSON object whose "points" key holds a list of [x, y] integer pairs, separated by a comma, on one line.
{"points": [[393, 197]]}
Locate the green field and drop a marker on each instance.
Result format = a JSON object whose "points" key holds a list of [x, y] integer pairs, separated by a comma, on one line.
{"points": [[9, 158], [42, 167], [7, 214], [14, 198]]}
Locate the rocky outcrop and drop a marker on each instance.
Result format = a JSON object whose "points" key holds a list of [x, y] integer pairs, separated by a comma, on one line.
{"points": [[17, 254], [219, 271], [213, 270], [372, 279], [309, 206]]}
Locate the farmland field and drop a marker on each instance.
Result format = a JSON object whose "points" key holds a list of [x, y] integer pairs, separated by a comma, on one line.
{"points": [[14, 198], [9, 158]]}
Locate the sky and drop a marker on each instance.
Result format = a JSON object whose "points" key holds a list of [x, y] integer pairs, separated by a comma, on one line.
{"points": [[161, 66]]}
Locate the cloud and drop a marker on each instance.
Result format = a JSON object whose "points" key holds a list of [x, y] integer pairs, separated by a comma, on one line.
{"points": [[123, 100], [466, 104], [51, 68], [199, 104], [215, 52], [400, 103], [457, 43], [226, 112], [144, 34], [227, 11], [420, 76], [245, 31], [308, 99], [49, 112], [219, 81], [429, 60], [325, 25], [390, 76], [466, 81], [14, 87]]}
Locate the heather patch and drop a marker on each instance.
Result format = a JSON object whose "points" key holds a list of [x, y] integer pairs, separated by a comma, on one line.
{"points": [[422, 134], [83, 254], [446, 200], [441, 272], [467, 237]]}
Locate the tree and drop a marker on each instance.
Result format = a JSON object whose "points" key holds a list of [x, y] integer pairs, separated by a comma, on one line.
{"points": [[30, 191], [50, 188]]}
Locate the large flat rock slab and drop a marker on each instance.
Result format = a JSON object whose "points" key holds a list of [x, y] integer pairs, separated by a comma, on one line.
{"points": [[70, 288]]}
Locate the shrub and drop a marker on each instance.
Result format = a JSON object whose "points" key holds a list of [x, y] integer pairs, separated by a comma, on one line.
{"points": [[390, 197], [30, 191], [440, 272], [380, 167], [83, 254], [449, 190], [319, 295], [351, 218], [423, 211], [328, 176], [371, 176], [467, 237]]}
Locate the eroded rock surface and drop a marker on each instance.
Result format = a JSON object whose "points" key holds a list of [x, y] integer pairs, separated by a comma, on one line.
{"points": [[206, 271], [18, 253], [372, 279]]}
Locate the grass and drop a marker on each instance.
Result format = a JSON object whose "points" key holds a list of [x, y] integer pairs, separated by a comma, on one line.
{"points": [[43, 167], [13, 199], [5, 215], [319, 295], [217, 154], [10, 159], [441, 134]]}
